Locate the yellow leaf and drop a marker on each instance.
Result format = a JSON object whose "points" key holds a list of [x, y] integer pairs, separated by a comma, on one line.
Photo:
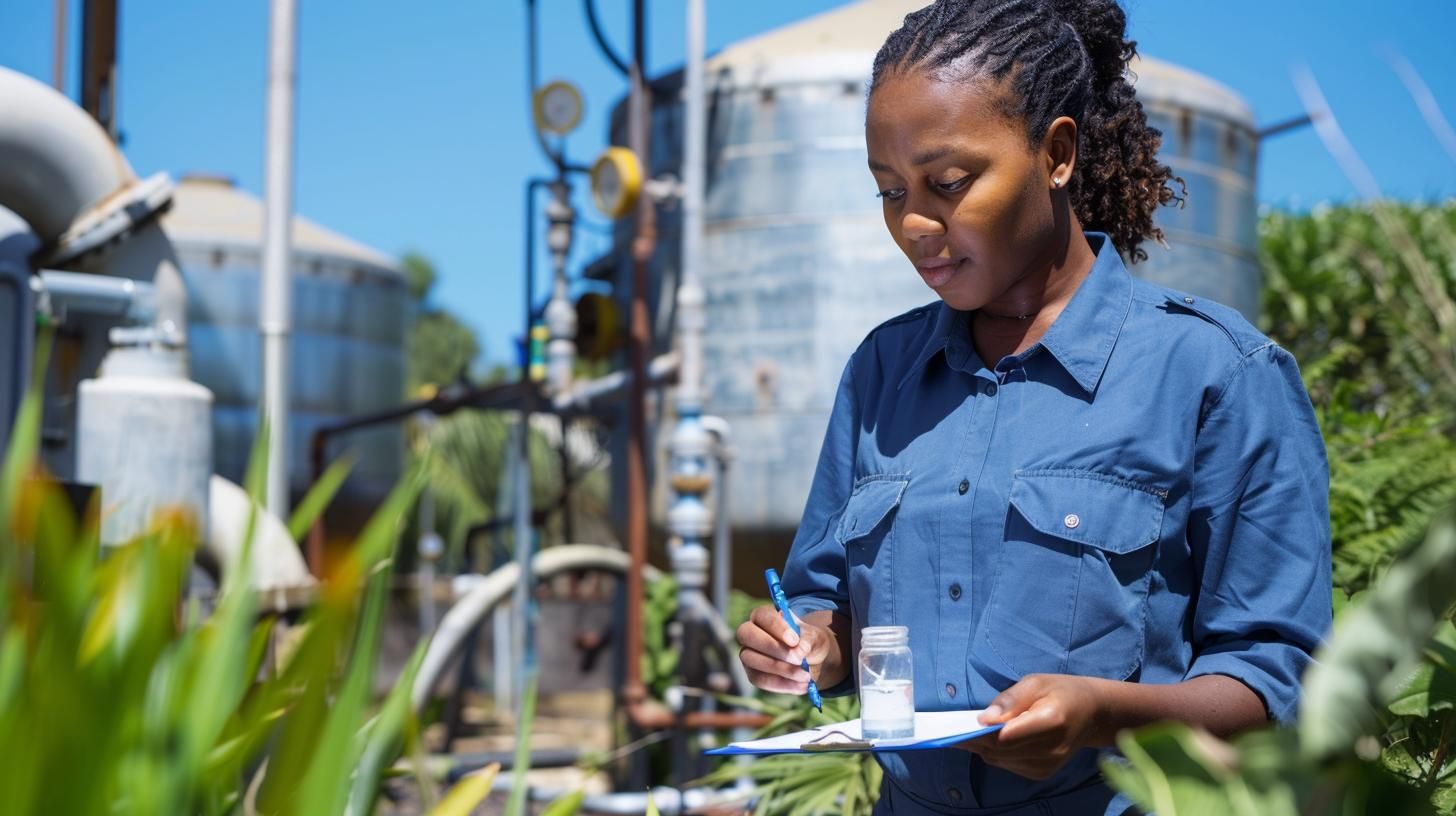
{"points": [[467, 793]]}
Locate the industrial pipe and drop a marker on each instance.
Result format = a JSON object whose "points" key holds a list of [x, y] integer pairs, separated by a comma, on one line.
{"points": [[275, 312], [140, 417], [485, 593], [79, 196]]}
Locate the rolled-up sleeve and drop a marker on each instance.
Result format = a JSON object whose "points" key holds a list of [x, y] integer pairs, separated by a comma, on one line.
{"points": [[814, 577], [1259, 531]]}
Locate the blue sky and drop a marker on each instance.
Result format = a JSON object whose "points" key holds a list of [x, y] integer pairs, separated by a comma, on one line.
{"points": [[413, 132]]}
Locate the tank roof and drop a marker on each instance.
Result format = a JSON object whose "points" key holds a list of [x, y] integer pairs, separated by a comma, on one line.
{"points": [[860, 28], [209, 208]]}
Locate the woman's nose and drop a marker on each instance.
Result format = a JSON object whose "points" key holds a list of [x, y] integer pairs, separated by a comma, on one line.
{"points": [[916, 226]]}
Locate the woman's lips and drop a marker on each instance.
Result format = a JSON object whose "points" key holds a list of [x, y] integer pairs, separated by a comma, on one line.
{"points": [[937, 272]]}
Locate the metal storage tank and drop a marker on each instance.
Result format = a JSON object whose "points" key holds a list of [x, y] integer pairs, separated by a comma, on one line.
{"points": [[351, 312], [798, 266]]}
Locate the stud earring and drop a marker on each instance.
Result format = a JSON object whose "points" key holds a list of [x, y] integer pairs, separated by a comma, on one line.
{"points": [[1056, 182]]}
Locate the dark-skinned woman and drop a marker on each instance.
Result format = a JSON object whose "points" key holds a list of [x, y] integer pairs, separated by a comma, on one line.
{"points": [[1094, 502]]}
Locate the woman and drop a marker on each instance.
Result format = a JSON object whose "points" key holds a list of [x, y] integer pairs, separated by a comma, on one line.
{"points": [[1094, 502]]}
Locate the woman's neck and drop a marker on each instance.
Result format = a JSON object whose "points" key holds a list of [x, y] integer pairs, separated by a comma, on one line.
{"points": [[1017, 321]]}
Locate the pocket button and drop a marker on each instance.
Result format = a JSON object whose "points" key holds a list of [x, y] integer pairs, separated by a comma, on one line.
{"points": [[1071, 521]]}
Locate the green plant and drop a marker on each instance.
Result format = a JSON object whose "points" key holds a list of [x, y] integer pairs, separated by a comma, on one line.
{"points": [[1362, 295], [802, 785], [118, 695], [1388, 478], [1375, 730]]}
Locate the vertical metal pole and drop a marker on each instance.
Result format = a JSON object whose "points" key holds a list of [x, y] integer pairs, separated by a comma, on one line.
{"points": [[275, 313], [690, 297], [689, 519], [640, 339], [58, 49], [523, 608]]}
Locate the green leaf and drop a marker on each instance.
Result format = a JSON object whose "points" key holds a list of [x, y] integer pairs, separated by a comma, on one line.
{"points": [[318, 497], [566, 805], [1377, 645], [522, 765], [385, 735], [468, 793]]}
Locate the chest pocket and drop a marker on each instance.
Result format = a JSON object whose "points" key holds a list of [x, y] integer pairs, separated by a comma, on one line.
{"points": [[865, 532], [1071, 585]]}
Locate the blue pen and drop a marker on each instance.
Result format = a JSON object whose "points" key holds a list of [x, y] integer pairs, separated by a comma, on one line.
{"points": [[781, 603]]}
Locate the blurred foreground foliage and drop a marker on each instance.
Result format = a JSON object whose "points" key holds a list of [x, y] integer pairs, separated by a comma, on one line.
{"points": [[118, 694]]}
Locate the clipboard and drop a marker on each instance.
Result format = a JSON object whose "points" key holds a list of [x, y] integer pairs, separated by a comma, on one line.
{"points": [[933, 729]]}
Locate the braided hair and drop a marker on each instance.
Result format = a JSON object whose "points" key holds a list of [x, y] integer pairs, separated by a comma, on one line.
{"points": [[1063, 58]]}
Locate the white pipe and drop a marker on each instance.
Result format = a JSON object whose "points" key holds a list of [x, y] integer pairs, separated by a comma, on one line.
{"points": [[276, 572], [275, 312], [485, 592], [61, 173], [690, 296], [58, 163]]}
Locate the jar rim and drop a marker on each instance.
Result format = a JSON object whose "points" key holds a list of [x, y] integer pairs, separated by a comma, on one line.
{"points": [[885, 636]]}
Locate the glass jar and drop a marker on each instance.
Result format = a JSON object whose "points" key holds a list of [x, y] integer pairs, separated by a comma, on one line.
{"points": [[886, 683]]}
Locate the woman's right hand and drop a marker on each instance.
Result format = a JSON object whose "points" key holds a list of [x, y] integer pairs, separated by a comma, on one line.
{"points": [[773, 655]]}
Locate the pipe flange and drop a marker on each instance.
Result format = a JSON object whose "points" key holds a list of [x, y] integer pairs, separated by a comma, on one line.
{"points": [[118, 215]]}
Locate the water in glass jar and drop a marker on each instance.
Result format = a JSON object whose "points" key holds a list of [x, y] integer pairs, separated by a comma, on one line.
{"points": [[887, 709]]}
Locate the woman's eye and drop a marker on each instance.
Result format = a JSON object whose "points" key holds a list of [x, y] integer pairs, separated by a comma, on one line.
{"points": [[894, 194], [953, 186]]}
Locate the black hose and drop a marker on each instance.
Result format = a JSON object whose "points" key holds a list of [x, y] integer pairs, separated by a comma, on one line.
{"points": [[590, 7]]}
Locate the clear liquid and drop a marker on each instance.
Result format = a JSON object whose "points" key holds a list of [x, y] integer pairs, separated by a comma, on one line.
{"points": [[887, 709]]}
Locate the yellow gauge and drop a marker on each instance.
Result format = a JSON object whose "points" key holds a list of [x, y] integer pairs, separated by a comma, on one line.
{"points": [[558, 107], [616, 181]]}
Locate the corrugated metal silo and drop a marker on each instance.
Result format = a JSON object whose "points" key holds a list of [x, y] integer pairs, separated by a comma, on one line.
{"points": [[351, 311]]}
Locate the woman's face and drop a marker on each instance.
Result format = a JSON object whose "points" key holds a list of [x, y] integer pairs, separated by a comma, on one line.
{"points": [[968, 200]]}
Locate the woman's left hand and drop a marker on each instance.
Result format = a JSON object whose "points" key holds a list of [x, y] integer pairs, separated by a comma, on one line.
{"points": [[1048, 719]]}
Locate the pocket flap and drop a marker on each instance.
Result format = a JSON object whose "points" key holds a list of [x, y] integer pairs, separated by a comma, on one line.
{"points": [[868, 505], [1100, 511]]}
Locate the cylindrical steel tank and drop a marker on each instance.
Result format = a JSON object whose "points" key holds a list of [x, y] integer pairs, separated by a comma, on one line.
{"points": [[351, 308], [136, 399], [798, 266]]}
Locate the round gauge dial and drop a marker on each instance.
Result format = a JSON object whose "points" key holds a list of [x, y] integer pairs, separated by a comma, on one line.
{"points": [[558, 108], [616, 181]]}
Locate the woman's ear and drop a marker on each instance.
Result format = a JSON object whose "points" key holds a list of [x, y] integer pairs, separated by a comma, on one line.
{"points": [[1059, 147]]}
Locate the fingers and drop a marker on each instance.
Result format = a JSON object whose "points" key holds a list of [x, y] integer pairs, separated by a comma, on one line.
{"points": [[1013, 701], [764, 664], [772, 654], [769, 620], [774, 675], [767, 633]]}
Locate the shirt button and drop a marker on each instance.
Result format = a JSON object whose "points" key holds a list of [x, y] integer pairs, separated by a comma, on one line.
{"points": [[990, 389], [1188, 300], [963, 487], [950, 689], [1071, 521], [955, 592], [953, 794]]}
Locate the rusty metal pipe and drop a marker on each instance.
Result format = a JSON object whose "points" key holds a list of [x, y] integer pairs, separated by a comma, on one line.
{"points": [[639, 346]]}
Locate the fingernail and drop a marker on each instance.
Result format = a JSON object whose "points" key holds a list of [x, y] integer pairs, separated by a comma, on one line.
{"points": [[992, 711], [791, 639]]}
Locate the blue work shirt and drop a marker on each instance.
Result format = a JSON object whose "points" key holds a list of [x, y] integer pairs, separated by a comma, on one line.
{"points": [[1142, 495]]}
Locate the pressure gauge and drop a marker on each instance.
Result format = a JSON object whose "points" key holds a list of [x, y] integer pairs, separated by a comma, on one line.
{"points": [[558, 108], [616, 181]]}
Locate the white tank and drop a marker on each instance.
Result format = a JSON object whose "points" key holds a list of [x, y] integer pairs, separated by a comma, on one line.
{"points": [[145, 438]]}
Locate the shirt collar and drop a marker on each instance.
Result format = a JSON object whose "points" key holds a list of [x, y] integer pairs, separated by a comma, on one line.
{"points": [[1083, 335]]}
